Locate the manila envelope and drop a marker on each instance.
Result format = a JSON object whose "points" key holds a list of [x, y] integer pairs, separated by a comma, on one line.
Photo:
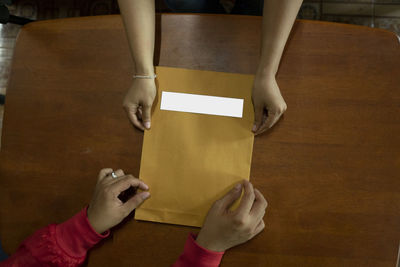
{"points": [[190, 160]]}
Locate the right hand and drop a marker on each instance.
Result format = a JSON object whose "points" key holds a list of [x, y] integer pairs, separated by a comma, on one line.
{"points": [[138, 102], [224, 228], [106, 209]]}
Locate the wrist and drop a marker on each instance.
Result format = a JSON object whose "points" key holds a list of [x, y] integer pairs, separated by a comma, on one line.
{"points": [[92, 222], [76, 235], [266, 71], [209, 245], [144, 69], [95, 227]]}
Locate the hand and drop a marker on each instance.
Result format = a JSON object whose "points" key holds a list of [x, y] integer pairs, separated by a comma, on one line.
{"points": [[266, 97], [138, 102], [106, 209], [224, 228]]}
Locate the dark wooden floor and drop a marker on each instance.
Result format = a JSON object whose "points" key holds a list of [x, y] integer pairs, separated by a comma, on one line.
{"points": [[373, 13]]}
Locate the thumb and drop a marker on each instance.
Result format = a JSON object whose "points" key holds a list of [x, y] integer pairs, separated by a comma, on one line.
{"points": [[146, 116], [258, 116], [135, 201], [226, 201]]}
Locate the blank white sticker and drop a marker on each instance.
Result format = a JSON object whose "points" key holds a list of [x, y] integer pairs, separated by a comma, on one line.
{"points": [[202, 104]]}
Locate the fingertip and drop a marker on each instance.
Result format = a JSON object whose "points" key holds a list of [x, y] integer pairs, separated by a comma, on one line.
{"points": [[144, 186], [248, 188], [147, 125], [254, 129], [138, 125], [238, 187], [236, 190], [145, 195]]}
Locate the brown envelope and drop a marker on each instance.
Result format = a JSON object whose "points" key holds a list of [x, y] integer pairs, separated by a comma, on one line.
{"points": [[190, 160]]}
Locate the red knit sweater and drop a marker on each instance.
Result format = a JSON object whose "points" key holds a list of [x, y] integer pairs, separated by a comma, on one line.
{"points": [[66, 244]]}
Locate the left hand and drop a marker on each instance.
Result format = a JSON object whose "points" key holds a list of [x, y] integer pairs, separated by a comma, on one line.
{"points": [[224, 228], [268, 103]]}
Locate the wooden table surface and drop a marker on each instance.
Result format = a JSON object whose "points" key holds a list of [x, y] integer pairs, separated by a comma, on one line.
{"points": [[329, 169]]}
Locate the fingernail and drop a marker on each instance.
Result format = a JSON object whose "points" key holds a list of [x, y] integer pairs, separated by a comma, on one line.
{"points": [[238, 186], [254, 128], [147, 124], [145, 195]]}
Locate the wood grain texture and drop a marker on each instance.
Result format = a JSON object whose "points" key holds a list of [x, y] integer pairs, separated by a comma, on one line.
{"points": [[329, 169]]}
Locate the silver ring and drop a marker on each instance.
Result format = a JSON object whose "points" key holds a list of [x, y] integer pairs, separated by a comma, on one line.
{"points": [[113, 175]]}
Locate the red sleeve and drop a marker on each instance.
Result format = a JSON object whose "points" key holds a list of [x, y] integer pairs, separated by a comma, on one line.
{"points": [[196, 256], [65, 244]]}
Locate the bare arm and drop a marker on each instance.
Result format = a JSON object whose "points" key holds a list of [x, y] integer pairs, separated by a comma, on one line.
{"points": [[139, 21], [278, 19]]}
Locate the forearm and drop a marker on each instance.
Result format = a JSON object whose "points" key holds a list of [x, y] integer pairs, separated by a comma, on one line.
{"points": [[278, 19], [64, 244], [139, 20], [196, 256]]}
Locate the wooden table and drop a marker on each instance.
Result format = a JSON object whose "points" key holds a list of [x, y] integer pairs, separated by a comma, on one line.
{"points": [[330, 169]]}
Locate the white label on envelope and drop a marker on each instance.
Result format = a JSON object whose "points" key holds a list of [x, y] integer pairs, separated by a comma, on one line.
{"points": [[202, 104]]}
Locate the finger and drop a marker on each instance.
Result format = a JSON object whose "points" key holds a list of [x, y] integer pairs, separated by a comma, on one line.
{"points": [[247, 200], [131, 111], [146, 116], [140, 113], [269, 122], [104, 172], [258, 116], [123, 183], [109, 179], [119, 177], [260, 226], [227, 200], [259, 205], [135, 201], [258, 218], [119, 173]]}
